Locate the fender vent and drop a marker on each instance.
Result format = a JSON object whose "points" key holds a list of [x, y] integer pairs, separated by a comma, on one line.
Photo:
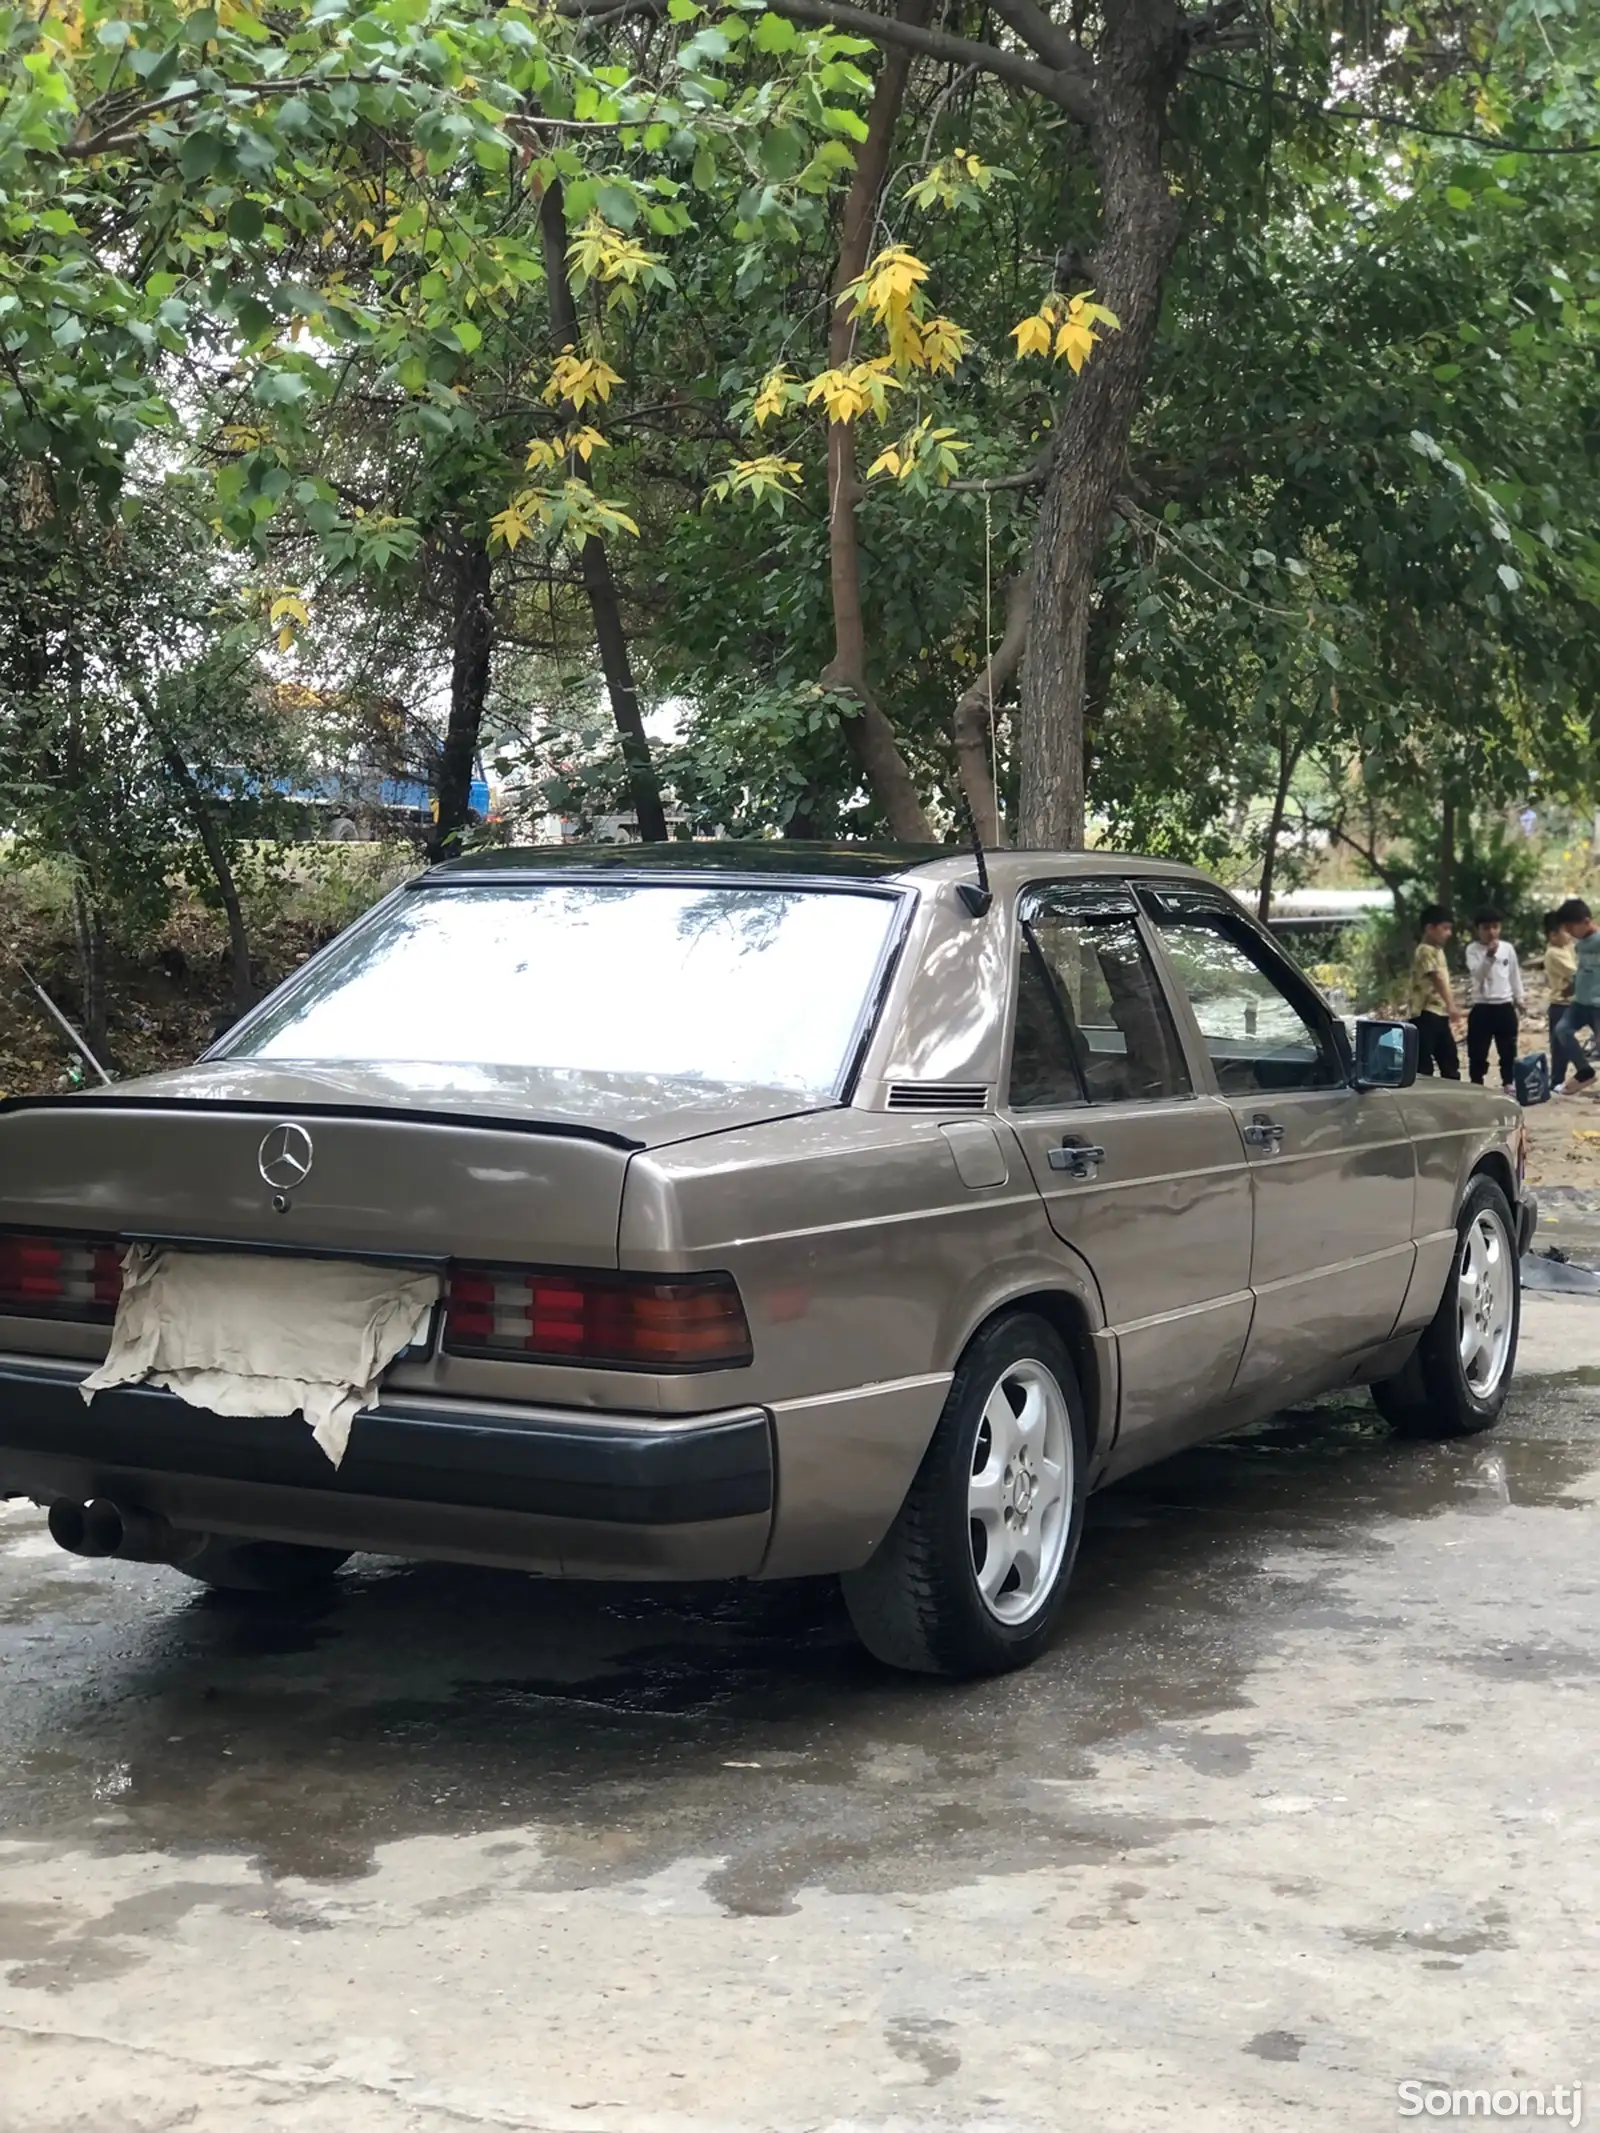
{"points": [[938, 1095]]}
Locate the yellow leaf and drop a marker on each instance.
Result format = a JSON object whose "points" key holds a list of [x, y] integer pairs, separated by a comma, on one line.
{"points": [[887, 462], [579, 379], [600, 253], [888, 289], [774, 396], [510, 525], [767, 479], [944, 343], [288, 607], [1076, 343], [1032, 336], [285, 639]]}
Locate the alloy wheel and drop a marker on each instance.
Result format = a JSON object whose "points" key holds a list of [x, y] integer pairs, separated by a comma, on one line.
{"points": [[1020, 1496], [1485, 1293]]}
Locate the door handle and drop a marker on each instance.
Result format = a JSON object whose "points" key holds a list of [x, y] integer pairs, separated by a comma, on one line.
{"points": [[1077, 1158], [1264, 1132]]}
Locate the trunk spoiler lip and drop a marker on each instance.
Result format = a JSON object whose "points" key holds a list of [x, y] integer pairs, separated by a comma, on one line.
{"points": [[249, 1107]]}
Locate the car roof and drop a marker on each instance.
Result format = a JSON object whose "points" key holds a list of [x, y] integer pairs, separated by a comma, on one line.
{"points": [[683, 855], [793, 858]]}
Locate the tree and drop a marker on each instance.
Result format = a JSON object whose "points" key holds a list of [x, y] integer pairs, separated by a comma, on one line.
{"points": [[1127, 75], [138, 741]]}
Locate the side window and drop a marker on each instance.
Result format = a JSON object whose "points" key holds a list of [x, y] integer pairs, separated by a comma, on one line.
{"points": [[1092, 1022], [1044, 1072], [1261, 1041]]}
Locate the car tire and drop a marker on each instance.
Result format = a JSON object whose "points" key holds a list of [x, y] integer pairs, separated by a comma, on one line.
{"points": [[972, 1576], [1457, 1378], [259, 1565]]}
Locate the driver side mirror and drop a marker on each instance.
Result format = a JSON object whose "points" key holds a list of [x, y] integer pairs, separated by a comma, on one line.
{"points": [[1386, 1054]]}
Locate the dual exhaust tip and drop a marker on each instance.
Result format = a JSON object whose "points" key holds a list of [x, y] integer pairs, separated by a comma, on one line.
{"points": [[104, 1528]]}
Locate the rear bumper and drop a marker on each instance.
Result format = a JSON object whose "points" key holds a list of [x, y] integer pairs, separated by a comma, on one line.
{"points": [[556, 1490], [1527, 1220]]}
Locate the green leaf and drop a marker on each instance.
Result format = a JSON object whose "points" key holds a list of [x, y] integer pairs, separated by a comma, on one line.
{"points": [[468, 336], [617, 205], [774, 33], [1458, 196], [782, 152], [849, 123], [200, 155], [246, 221], [704, 174], [281, 388]]}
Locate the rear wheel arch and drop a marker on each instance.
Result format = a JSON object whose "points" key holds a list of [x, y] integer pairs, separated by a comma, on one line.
{"points": [[1069, 1316]]}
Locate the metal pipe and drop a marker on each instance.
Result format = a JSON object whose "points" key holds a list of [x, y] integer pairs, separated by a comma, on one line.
{"points": [[78, 1043]]}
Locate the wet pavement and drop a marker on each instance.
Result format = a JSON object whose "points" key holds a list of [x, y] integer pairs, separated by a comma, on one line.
{"points": [[1301, 1805]]}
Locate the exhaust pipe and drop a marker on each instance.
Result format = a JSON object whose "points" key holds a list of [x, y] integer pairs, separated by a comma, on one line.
{"points": [[69, 1528], [104, 1528]]}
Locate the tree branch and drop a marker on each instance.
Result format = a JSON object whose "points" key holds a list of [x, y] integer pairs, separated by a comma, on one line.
{"points": [[1056, 46], [115, 133], [1203, 29], [1068, 88], [970, 729], [1033, 477]]}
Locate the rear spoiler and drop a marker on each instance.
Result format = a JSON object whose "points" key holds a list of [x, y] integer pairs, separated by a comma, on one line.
{"points": [[243, 1107]]}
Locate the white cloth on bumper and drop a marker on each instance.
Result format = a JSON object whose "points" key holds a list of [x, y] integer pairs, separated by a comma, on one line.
{"points": [[255, 1334]]}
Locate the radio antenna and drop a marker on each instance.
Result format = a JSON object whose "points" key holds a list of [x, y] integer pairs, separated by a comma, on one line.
{"points": [[976, 895]]}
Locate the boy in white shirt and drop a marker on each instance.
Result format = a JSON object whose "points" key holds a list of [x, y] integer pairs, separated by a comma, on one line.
{"points": [[1495, 978]]}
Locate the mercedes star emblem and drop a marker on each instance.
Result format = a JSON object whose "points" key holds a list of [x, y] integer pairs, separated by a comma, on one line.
{"points": [[284, 1157]]}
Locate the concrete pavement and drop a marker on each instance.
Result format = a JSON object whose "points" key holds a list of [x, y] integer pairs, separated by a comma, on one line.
{"points": [[1301, 1805]]}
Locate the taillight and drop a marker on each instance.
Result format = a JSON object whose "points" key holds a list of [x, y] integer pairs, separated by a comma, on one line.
{"points": [[60, 1277], [630, 1321]]}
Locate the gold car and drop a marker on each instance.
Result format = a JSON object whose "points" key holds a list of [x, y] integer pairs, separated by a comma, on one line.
{"points": [[757, 1211]]}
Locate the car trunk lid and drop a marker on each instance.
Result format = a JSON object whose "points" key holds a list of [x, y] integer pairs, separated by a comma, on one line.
{"points": [[384, 1163]]}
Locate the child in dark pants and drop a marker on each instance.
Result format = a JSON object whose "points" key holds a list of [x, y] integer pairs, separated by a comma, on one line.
{"points": [[1433, 1004], [1497, 998]]}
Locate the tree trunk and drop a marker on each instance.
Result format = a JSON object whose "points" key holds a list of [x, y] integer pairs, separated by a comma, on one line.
{"points": [[610, 636], [1287, 759], [973, 731], [91, 932], [222, 873], [611, 640], [471, 657], [1137, 62], [1447, 848], [869, 733]]}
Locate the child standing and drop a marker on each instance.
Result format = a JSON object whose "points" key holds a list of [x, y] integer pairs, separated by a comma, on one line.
{"points": [[1560, 968], [1583, 1010], [1433, 1004], [1495, 976]]}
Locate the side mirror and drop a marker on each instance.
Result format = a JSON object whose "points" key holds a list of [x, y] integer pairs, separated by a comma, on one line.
{"points": [[1386, 1055]]}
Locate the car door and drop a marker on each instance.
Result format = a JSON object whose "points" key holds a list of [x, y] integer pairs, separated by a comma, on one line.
{"points": [[1332, 1166], [1143, 1175]]}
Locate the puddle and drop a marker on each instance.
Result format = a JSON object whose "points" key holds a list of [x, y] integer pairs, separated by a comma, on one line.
{"points": [[633, 1727]]}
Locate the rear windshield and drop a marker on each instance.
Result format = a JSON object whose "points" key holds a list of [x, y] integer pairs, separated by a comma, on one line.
{"points": [[713, 983]]}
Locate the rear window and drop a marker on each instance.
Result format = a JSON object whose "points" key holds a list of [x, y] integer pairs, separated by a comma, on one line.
{"points": [[705, 982]]}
